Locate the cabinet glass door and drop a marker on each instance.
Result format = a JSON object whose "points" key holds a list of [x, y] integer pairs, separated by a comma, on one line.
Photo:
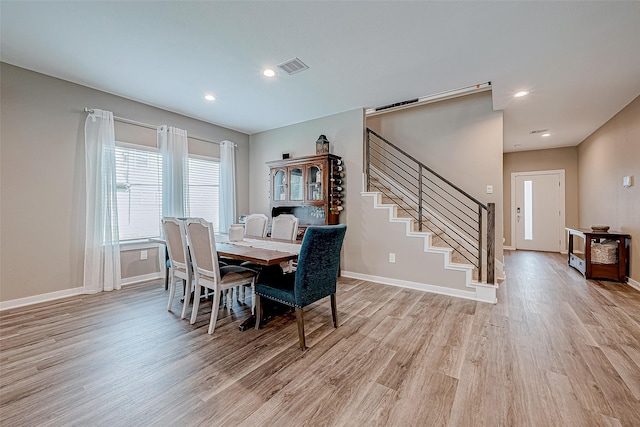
{"points": [[279, 185], [296, 186], [314, 178]]}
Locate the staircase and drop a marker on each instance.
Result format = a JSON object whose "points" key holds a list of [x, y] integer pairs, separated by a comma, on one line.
{"points": [[451, 222]]}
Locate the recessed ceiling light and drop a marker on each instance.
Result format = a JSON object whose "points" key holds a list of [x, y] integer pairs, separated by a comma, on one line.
{"points": [[546, 135], [268, 72], [210, 97], [521, 93]]}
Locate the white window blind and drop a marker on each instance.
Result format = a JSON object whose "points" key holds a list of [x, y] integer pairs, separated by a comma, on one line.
{"points": [[204, 190], [139, 182]]}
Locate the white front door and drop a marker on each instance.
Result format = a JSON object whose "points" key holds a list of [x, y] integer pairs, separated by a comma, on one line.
{"points": [[538, 211]]}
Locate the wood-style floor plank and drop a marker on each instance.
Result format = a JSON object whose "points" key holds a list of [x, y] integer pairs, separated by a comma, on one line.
{"points": [[556, 350]]}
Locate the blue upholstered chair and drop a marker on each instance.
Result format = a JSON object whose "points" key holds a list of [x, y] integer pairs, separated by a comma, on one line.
{"points": [[315, 278]]}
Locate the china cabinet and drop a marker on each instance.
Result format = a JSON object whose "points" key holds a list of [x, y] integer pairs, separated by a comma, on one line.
{"points": [[308, 187]]}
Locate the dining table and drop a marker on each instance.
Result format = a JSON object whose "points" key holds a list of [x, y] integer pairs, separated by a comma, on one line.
{"points": [[259, 250], [263, 251]]}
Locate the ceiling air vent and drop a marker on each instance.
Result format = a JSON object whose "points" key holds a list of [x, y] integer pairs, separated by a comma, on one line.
{"points": [[293, 66], [533, 132]]}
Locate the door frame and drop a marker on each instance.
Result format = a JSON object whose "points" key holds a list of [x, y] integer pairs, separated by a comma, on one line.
{"points": [[561, 217]]}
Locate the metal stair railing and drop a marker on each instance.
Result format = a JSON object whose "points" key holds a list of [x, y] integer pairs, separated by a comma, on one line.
{"points": [[434, 202]]}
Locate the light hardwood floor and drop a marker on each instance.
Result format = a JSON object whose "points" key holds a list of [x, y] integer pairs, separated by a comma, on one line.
{"points": [[556, 350]]}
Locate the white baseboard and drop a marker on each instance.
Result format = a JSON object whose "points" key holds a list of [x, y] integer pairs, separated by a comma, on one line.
{"points": [[143, 278], [486, 294], [499, 270], [52, 296], [36, 299], [508, 248], [634, 284]]}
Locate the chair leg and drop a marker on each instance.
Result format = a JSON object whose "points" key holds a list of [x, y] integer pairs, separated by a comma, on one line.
{"points": [[187, 297], [334, 310], [226, 297], [214, 314], [300, 319], [196, 303], [258, 311], [253, 297], [172, 292]]}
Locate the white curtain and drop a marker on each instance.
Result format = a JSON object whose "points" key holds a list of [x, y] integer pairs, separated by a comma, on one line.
{"points": [[227, 185], [174, 147], [102, 246]]}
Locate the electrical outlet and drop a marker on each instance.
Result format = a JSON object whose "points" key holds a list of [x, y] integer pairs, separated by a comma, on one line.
{"points": [[143, 255], [392, 257]]}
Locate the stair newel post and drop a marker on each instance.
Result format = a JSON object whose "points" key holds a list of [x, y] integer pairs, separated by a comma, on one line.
{"points": [[368, 160], [479, 243], [491, 242], [419, 197]]}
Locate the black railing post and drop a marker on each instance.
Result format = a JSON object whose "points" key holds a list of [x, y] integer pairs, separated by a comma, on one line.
{"points": [[491, 242], [368, 160], [419, 197], [479, 243]]}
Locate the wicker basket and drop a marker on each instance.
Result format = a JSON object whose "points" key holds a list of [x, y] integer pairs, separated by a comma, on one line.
{"points": [[605, 252]]}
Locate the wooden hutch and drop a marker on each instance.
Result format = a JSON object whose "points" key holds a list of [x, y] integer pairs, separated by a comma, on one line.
{"points": [[308, 187]]}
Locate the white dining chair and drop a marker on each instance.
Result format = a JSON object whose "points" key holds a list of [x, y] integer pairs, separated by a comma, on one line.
{"points": [[284, 227], [256, 225], [207, 271], [180, 267]]}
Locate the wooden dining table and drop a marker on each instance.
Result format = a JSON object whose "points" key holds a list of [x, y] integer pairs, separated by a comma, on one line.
{"points": [[263, 251]]}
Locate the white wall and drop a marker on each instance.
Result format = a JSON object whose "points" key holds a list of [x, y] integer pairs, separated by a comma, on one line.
{"points": [[42, 176]]}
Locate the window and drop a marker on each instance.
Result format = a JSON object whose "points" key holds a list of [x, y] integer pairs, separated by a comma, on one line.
{"points": [[139, 182], [528, 210], [204, 190]]}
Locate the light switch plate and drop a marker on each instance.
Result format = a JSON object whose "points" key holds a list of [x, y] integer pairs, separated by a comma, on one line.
{"points": [[489, 189]]}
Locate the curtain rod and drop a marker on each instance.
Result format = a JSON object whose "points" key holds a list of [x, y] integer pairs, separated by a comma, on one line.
{"points": [[149, 126]]}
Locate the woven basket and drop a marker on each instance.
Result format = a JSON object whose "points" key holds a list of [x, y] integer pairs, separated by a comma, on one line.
{"points": [[604, 253]]}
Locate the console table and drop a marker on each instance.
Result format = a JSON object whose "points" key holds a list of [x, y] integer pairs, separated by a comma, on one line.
{"points": [[584, 263]]}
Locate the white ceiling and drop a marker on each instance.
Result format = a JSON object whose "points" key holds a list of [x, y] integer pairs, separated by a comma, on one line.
{"points": [[579, 60]]}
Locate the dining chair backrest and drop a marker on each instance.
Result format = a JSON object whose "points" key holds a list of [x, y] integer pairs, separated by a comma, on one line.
{"points": [[318, 263], [203, 247], [176, 239], [256, 225], [284, 227]]}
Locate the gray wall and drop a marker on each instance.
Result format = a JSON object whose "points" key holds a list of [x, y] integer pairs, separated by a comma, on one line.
{"points": [[345, 133], [540, 160], [461, 139], [466, 144], [42, 177], [610, 153]]}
